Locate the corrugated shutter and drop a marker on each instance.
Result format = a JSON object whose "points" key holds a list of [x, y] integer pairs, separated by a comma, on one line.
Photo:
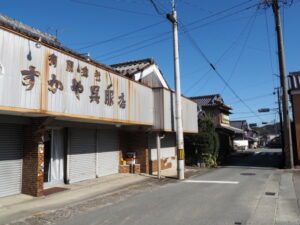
{"points": [[108, 152], [82, 154], [11, 153]]}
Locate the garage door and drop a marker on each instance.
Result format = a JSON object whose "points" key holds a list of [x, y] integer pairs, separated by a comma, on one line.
{"points": [[108, 152], [82, 154], [11, 153]]}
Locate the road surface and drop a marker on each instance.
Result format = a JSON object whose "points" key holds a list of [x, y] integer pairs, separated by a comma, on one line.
{"points": [[227, 195]]}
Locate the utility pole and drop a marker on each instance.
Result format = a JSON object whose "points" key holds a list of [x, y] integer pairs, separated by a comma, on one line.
{"points": [[280, 120], [179, 131], [288, 148]]}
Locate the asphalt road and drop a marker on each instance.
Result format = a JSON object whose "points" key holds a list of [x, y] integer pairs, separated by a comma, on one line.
{"points": [[227, 195]]}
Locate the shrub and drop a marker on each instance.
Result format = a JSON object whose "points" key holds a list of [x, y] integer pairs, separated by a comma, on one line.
{"points": [[203, 147]]}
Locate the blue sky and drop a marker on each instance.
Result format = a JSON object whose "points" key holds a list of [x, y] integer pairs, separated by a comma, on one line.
{"points": [[239, 41]]}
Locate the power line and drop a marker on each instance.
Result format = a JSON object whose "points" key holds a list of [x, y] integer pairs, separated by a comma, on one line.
{"points": [[121, 36], [217, 72], [221, 57], [269, 47], [119, 51], [216, 14], [188, 25], [155, 42], [252, 98], [112, 8], [136, 49], [242, 51], [241, 112], [194, 5], [156, 8], [219, 12], [245, 117]]}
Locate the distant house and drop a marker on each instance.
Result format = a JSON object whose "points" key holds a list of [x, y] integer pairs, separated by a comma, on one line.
{"points": [[241, 124], [214, 106], [294, 91], [145, 71], [249, 134]]}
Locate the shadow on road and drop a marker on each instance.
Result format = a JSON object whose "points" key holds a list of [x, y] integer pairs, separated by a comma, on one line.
{"points": [[264, 158]]}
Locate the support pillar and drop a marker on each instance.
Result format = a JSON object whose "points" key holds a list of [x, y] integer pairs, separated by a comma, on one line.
{"points": [[33, 158]]}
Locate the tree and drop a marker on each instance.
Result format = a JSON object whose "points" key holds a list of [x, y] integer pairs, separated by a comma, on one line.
{"points": [[204, 146]]}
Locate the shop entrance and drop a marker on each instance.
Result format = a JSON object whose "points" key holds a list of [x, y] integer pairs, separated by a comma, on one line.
{"points": [[54, 158]]}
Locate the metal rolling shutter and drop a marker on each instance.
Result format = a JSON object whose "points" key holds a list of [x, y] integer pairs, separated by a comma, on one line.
{"points": [[11, 153], [108, 153], [82, 154]]}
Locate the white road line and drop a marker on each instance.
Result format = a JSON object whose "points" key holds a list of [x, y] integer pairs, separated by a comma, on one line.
{"points": [[211, 182]]}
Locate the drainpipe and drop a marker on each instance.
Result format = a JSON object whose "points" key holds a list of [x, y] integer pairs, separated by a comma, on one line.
{"points": [[159, 136]]}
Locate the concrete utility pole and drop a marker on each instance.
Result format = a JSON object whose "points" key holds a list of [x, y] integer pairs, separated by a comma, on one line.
{"points": [[280, 119], [288, 148], [179, 132]]}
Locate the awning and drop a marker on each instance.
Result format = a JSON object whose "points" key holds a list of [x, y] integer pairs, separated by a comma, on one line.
{"points": [[230, 129]]}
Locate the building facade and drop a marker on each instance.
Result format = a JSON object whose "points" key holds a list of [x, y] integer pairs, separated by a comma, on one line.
{"points": [[66, 118], [294, 91]]}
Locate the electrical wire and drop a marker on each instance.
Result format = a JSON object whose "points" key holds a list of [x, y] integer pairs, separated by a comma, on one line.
{"points": [[252, 98], [121, 36], [219, 12], [245, 117], [137, 49], [194, 5], [156, 8], [269, 45], [111, 8], [158, 36], [270, 51], [221, 57], [199, 50], [241, 52], [125, 49]]}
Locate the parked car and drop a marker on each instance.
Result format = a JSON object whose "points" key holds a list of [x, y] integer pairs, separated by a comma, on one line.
{"points": [[275, 142]]}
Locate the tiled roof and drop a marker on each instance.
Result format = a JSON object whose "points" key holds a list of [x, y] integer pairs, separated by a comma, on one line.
{"points": [[209, 100], [232, 129], [294, 80], [25, 29], [131, 67]]}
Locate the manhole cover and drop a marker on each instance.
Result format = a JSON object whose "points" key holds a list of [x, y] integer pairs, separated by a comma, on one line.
{"points": [[270, 193], [248, 174]]}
